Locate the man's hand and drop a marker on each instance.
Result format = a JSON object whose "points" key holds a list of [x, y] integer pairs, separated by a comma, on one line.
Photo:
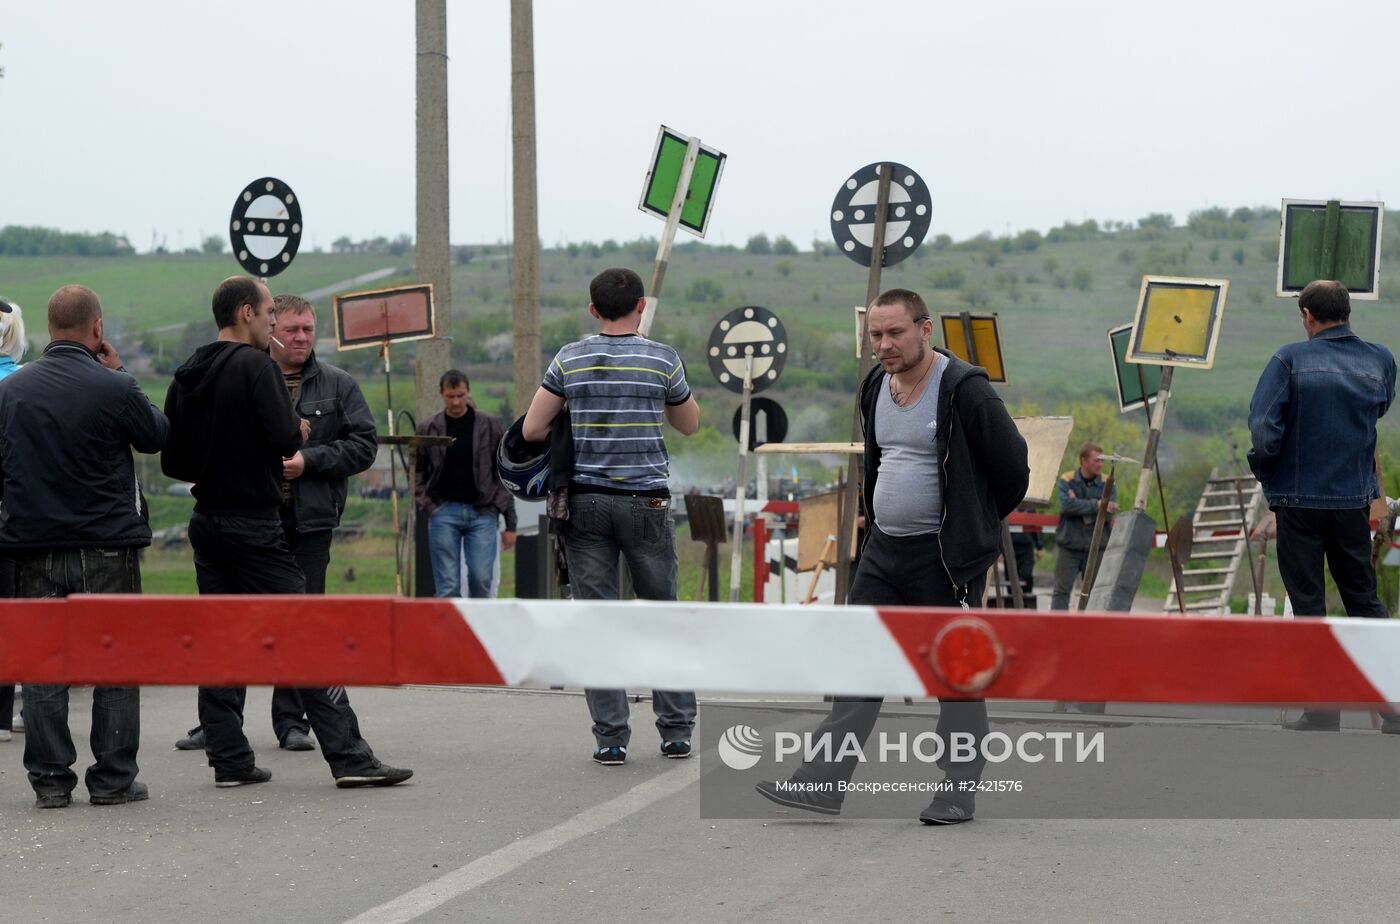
{"points": [[107, 355], [305, 430], [1039, 554], [1071, 493], [294, 467], [1112, 507], [1266, 528], [507, 539]]}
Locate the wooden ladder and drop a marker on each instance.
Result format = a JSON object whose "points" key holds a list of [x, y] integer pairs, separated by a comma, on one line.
{"points": [[1218, 547]]}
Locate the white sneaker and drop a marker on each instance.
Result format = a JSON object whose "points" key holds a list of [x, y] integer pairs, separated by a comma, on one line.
{"points": [[5, 734]]}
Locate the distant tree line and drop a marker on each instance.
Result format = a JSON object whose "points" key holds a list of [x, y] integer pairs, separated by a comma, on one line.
{"points": [[17, 241], [397, 247]]}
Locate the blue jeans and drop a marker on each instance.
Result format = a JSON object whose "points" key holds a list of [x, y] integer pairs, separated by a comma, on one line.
{"points": [[49, 753], [455, 528], [602, 527]]}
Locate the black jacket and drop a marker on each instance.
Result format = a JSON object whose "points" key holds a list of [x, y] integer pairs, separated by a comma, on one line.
{"points": [[68, 425], [431, 460], [231, 426], [342, 443], [982, 464]]}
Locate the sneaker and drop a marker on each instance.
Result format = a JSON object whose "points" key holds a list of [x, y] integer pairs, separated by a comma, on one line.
{"points": [[242, 778], [194, 741], [378, 775], [821, 802], [611, 757], [5, 734], [297, 740], [136, 792], [943, 811], [676, 750], [53, 800], [1306, 724], [18, 726]]}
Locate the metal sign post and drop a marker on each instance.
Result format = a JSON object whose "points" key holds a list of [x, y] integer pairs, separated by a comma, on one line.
{"points": [[847, 527], [879, 217], [741, 488]]}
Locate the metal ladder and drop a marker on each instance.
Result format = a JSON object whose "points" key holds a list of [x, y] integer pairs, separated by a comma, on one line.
{"points": [[1218, 547]]}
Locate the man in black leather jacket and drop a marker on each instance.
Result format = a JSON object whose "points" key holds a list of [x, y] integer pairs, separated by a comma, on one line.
{"points": [[75, 521]]}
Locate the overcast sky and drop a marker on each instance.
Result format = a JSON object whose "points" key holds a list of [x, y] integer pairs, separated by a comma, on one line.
{"points": [[148, 117]]}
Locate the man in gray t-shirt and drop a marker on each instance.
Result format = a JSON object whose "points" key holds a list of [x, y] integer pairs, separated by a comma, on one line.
{"points": [[908, 501], [621, 389], [943, 464]]}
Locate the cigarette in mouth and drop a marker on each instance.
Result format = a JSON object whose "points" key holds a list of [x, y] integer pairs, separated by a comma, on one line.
{"points": [[279, 343]]}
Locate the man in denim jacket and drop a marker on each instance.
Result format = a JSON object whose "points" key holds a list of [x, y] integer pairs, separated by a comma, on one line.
{"points": [[1312, 422]]}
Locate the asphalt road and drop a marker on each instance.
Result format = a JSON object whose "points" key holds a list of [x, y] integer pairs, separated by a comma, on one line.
{"points": [[507, 819]]}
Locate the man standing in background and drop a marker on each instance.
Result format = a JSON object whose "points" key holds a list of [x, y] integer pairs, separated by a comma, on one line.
{"points": [[1080, 491], [1312, 422], [460, 491]]}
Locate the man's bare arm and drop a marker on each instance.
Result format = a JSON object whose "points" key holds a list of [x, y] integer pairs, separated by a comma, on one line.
{"points": [[684, 417], [544, 407]]}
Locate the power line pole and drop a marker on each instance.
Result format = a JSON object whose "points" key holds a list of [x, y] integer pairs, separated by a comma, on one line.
{"points": [[434, 242], [525, 265]]}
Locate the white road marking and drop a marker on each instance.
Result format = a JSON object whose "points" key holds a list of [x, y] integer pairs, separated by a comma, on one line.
{"points": [[482, 870]]}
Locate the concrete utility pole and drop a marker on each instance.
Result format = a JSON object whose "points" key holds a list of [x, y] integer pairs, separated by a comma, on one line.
{"points": [[525, 265], [434, 242]]}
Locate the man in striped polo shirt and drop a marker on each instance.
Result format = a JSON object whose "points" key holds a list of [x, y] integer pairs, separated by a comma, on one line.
{"points": [[622, 389]]}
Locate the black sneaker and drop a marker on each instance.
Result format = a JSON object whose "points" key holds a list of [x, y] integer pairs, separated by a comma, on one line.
{"points": [[823, 802], [244, 778], [297, 740], [943, 811], [611, 757], [194, 741], [136, 792], [378, 775], [1306, 724], [53, 800], [676, 750]]}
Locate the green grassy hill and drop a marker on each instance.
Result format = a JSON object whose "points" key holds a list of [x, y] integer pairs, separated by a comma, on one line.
{"points": [[1056, 295]]}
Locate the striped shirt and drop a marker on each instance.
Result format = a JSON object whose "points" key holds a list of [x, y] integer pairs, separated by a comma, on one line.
{"points": [[617, 387]]}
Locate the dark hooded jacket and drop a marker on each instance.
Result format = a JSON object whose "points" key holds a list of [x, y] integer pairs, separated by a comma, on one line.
{"points": [[982, 464], [68, 425], [231, 426]]}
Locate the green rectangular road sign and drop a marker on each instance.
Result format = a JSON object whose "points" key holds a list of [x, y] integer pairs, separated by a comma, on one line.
{"points": [[665, 173], [1126, 374], [1320, 239]]}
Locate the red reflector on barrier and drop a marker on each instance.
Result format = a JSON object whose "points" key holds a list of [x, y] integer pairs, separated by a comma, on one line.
{"points": [[967, 655]]}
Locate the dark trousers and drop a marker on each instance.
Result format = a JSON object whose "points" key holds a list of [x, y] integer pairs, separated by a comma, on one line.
{"points": [[901, 571], [1308, 537], [241, 555], [312, 550], [49, 753], [603, 527], [7, 690]]}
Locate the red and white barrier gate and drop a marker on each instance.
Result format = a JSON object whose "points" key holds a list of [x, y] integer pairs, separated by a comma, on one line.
{"points": [[855, 650]]}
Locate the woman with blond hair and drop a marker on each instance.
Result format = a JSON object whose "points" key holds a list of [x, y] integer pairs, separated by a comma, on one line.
{"points": [[12, 346]]}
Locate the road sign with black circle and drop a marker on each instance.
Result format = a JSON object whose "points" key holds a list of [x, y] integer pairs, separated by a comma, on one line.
{"points": [[265, 228], [744, 332], [906, 221], [768, 422]]}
